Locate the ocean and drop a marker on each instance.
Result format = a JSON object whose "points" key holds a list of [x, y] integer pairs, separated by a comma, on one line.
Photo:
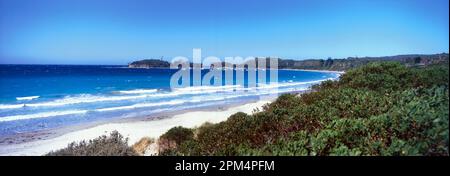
{"points": [[43, 97]]}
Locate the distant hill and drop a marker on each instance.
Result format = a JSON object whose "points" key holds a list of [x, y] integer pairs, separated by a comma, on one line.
{"points": [[352, 62], [325, 64]]}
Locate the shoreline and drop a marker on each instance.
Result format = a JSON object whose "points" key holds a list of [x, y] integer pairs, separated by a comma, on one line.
{"points": [[291, 69], [31, 136], [310, 70], [133, 129]]}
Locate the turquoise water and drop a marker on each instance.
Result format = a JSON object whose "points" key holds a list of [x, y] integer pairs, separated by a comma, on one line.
{"points": [[40, 97]]}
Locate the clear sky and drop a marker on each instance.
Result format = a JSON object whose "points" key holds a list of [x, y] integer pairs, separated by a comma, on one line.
{"points": [[120, 31]]}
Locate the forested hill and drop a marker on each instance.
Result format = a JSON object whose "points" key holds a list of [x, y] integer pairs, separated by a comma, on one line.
{"points": [[325, 64], [352, 62]]}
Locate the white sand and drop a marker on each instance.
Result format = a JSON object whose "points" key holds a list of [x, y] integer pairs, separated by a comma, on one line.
{"points": [[133, 130], [322, 71]]}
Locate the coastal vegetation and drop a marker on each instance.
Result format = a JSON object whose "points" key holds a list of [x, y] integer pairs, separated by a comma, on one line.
{"points": [[323, 64], [354, 62], [378, 109], [113, 145], [382, 108]]}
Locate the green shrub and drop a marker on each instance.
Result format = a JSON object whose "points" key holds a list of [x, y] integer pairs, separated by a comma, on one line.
{"points": [[112, 145], [430, 76], [379, 76], [178, 134], [420, 123], [173, 138]]}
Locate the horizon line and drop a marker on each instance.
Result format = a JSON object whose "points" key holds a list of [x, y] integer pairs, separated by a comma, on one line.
{"points": [[82, 64]]}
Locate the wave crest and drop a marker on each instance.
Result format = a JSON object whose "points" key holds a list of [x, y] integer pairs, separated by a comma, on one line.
{"points": [[27, 98], [41, 115], [138, 91]]}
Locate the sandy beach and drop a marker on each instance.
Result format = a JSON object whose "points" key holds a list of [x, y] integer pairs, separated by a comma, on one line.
{"points": [[310, 70], [134, 130]]}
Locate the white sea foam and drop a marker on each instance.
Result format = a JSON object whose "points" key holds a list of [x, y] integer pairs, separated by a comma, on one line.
{"points": [[141, 105], [141, 94], [86, 98], [289, 84], [195, 90], [83, 99], [173, 102], [203, 88], [41, 115], [11, 106], [27, 98], [138, 91], [262, 90]]}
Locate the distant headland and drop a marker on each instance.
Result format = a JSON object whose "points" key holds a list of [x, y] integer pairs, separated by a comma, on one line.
{"points": [[149, 63], [324, 64]]}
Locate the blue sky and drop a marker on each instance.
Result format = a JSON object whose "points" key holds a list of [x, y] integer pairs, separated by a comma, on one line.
{"points": [[120, 31]]}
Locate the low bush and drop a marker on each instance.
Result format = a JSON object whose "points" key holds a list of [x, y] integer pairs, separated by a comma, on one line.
{"points": [[173, 138], [378, 109], [112, 145]]}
